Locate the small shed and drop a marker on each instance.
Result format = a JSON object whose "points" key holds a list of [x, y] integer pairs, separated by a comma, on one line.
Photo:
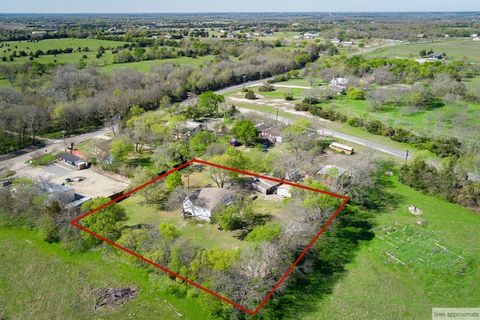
{"points": [[265, 186]]}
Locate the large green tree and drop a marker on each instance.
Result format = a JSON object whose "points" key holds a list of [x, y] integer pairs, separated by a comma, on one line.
{"points": [[121, 148], [207, 104], [107, 222], [245, 131]]}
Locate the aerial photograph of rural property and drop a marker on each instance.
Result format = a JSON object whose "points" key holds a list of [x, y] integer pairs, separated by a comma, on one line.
{"points": [[270, 160]]}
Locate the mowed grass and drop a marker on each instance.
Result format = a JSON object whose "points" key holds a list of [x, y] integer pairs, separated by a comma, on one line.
{"points": [[41, 281], [146, 66], [456, 49], [376, 287], [49, 44]]}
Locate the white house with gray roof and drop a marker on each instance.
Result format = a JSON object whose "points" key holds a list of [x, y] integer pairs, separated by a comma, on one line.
{"points": [[202, 203]]}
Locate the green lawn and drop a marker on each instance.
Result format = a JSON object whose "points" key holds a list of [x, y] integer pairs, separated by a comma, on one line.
{"points": [[456, 49], [42, 281], [376, 287]]}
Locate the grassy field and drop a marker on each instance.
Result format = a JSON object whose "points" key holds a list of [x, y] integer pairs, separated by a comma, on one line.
{"points": [[203, 233], [105, 62], [456, 49], [146, 66], [375, 286], [48, 44], [438, 121], [42, 281]]}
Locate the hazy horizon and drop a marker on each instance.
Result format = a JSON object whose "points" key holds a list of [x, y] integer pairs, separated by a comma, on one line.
{"points": [[246, 6]]}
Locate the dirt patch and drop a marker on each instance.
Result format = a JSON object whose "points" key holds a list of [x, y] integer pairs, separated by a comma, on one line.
{"points": [[114, 297]]}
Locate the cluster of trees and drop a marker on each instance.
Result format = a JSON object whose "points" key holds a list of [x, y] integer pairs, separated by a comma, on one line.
{"points": [[441, 146], [68, 99], [449, 182]]}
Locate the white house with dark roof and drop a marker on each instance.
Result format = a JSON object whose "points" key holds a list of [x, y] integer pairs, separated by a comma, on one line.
{"points": [[202, 203]]}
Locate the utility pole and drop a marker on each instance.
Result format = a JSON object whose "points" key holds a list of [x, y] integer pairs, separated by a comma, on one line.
{"points": [[276, 119], [406, 156], [244, 78]]}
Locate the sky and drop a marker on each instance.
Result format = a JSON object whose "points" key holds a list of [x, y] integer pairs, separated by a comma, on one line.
{"points": [[155, 6]]}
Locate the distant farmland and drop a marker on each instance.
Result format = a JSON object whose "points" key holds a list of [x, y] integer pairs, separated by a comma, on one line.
{"points": [[454, 48]]}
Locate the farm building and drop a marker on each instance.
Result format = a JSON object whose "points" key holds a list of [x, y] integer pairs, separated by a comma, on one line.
{"points": [[202, 203], [341, 148], [265, 186]]}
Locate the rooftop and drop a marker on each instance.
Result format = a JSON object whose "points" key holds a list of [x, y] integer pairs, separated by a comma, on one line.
{"points": [[209, 198]]}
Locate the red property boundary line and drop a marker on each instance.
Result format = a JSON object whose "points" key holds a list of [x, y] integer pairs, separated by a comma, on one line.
{"points": [[76, 223]]}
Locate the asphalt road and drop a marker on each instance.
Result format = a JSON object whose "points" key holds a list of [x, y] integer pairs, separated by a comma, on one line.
{"points": [[19, 163], [401, 154]]}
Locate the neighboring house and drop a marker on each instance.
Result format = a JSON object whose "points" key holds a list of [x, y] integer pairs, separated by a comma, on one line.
{"points": [[75, 161], [269, 132], [60, 193], [101, 152], [265, 186], [285, 191], [193, 126], [339, 84], [202, 203], [341, 148]]}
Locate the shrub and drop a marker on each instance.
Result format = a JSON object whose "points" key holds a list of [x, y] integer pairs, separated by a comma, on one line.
{"points": [[169, 231], [267, 232], [288, 96], [355, 94], [375, 127], [229, 218], [250, 95], [355, 122], [267, 87], [311, 100]]}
